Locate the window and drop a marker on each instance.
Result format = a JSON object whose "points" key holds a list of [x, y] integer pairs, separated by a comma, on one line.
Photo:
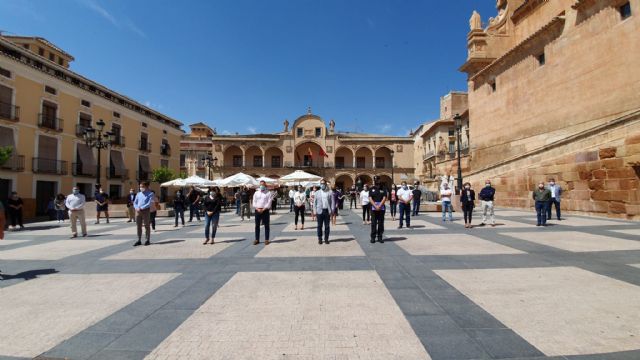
{"points": [[360, 162], [257, 161], [340, 162], [452, 147], [144, 124], [237, 160], [85, 103], [116, 130], [116, 114], [183, 160], [493, 86], [380, 162], [61, 61], [50, 90], [41, 51], [299, 132], [625, 10], [318, 132], [5, 73], [452, 132], [307, 161], [541, 59], [164, 163], [52, 57], [275, 161]]}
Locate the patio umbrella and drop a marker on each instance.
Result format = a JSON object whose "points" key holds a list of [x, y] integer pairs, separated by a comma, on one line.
{"points": [[239, 179], [173, 183], [198, 181], [299, 176], [271, 183]]}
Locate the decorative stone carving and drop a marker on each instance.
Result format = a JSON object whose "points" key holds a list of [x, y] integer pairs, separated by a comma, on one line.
{"points": [[286, 125], [218, 148], [329, 149], [475, 23], [399, 148], [289, 149], [332, 125]]}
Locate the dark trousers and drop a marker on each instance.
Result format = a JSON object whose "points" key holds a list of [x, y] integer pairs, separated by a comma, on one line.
{"points": [[377, 224], [152, 219], [262, 219], [291, 206], [467, 209], [549, 205], [541, 211], [416, 207], [194, 209], [60, 215], [394, 208], [238, 207], [179, 213], [323, 221], [353, 203], [366, 210], [405, 214], [211, 225], [15, 216], [299, 211]]}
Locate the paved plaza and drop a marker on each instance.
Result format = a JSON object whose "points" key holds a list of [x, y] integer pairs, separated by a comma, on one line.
{"points": [[436, 291]]}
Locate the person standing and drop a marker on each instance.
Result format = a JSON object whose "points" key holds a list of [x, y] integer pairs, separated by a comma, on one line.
{"points": [[405, 195], [130, 211], [236, 197], [292, 194], [194, 203], [341, 196], [244, 199], [274, 201], [262, 205], [153, 210], [312, 198], [353, 197], [393, 201], [417, 195], [323, 204], [15, 205], [377, 198], [142, 206], [366, 209], [467, 198], [556, 193], [212, 206], [445, 197], [486, 196], [60, 207], [335, 196], [299, 200], [75, 203], [541, 196], [179, 204], [102, 204]]}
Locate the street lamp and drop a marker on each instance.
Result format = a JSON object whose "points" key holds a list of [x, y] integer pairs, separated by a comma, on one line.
{"points": [[96, 138], [392, 166], [211, 163], [458, 122]]}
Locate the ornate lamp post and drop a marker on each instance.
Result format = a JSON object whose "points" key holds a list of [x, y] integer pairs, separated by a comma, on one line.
{"points": [[458, 123], [96, 138], [211, 164]]}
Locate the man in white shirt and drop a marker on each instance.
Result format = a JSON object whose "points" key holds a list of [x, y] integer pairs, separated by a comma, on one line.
{"points": [[292, 194], [299, 200], [75, 203], [366, 209], [262, 205], [405, 195], [323, 205], [445, 196], [556, 194]]}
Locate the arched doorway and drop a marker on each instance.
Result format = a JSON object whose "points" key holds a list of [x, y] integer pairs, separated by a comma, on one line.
{"points": [[344, 182], [344, 158], [364, 158], [362, 180], [307, 155], [384, 159], [253, 157], [385, 181], [273, 158], [232, 157]]}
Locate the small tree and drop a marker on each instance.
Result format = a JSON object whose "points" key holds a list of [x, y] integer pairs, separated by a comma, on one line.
{"points": [[5, 154], [161, 175]]}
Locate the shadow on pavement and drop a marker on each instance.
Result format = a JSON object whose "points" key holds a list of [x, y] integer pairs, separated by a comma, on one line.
{"points": [[28, 275]]}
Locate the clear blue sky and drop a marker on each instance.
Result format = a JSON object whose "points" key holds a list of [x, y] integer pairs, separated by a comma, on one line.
{"points": [[244, 66]]}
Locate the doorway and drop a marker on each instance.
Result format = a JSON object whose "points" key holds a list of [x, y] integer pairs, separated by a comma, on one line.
{"points": [[45, 191]]}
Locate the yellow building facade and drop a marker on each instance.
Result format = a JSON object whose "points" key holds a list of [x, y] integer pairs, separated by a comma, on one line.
{"points": [[44, 110]]}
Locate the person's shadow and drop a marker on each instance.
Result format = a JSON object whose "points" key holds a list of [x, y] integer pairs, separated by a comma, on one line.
{"points": [[28, 275]]}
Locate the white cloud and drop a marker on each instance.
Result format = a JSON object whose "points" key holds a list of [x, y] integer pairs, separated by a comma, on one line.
{"points": [[252, 130], [226, 132], [152, 105], [124, 22], [385, 128]]}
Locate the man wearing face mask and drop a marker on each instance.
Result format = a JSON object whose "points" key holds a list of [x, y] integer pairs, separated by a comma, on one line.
{"points": [[323, 204], [179, 205], [102, 204], [541, 196], [130, 211], [142, 205], [261, 204], [405, 195], [377, 198], [556, 193], [486, 201], [75, 203], [353, 197]]}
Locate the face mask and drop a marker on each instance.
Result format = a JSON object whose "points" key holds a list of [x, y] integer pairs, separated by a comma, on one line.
{"points": [[76, 191], [178, 193], [487, 185], [467, 187], [323, 186], [130, 192], [263, 188], [552, 183], [365, 189], [142, 189], [405, 187], [541, 187]]}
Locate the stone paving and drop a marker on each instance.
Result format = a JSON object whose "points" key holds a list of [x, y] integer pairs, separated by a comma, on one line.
{"points": [[436, 291]]}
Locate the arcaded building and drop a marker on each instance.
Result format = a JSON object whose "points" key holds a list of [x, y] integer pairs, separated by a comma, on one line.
{"points": [[319, 148], [553, 92]]}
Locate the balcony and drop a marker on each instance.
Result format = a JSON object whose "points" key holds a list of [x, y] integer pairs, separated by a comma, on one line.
{"points": [[165, 151], [122, 174], [144, 145], [80, 130], [77, 169], [118, 141], [15, 163], [49, 122], [428, 155], [49, 166], [142, 176], [9, 112]]}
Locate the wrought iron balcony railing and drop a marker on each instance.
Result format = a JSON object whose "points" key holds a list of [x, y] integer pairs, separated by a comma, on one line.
{"points": [[9, 112], [49, 122], [49, 166]]}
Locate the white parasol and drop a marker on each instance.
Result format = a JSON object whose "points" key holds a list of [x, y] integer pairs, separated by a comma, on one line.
{"points": [[300, 176], [173, 183], [239, 179]]}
